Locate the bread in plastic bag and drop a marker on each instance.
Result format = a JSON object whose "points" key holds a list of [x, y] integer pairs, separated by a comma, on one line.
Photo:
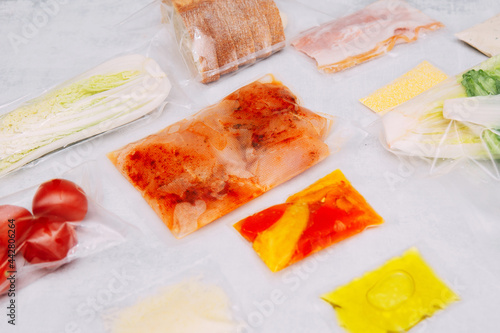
{"points": [[455, 121], [110, 95], [203, 167], [363, 35], [217, 37]]}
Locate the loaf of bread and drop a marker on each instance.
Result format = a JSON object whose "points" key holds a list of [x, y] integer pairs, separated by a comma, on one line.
{"points": [[218, 36]]}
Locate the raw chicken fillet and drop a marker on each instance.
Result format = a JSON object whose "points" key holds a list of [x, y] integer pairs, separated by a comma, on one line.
{"points": [[203, 167]]}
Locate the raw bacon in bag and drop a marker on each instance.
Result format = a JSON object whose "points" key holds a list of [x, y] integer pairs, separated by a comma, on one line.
{"points": [[363, 35]]}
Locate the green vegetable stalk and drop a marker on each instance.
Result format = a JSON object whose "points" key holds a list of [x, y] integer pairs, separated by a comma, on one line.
{"points": [[448, 121], [485, 83], [108, 96]]}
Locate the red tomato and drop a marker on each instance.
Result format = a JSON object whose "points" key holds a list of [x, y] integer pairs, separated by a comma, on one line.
{"points": [[23, 220], [50, 239], [61, 198]]}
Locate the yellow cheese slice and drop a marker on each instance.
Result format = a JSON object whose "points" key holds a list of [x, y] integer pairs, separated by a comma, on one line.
{"points": [[407, 86], [392, 298]]}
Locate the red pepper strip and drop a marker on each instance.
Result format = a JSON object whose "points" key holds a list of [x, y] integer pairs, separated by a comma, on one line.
{"points": [[327, 225], [253, 225]]}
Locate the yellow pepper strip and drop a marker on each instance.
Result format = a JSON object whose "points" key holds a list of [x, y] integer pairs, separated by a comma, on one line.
{"points": [[277, 245]]}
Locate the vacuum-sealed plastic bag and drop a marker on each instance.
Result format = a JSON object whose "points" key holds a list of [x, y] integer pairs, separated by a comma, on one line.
{"points": [[404, 88], [203, 167], [188, 306], [484, 36], [456, 120], [363, 35], [47, 226], [196, 299], [217, 37], [325, 213], [110, 95], [392, 298]]}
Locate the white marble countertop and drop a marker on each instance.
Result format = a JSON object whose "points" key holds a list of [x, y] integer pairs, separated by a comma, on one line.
{"points": [[454, 219]]}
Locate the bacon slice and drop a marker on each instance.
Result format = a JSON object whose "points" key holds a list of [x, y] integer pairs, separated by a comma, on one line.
{"points": [[366, 34], [201, 168]]}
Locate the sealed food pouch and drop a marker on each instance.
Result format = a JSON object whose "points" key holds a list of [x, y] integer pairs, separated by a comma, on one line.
{"points": [[456, 120], [197, 298], [404, 88], [366, 34], [219, 36], [483, 36], [392, 298], [323, 214], [203, 167], [108, 96], [47, 226]]}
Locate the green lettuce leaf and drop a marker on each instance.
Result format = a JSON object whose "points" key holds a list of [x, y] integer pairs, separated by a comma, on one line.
{"points": [[480, 83], [484, 83], [420, 127], [492, 140]]}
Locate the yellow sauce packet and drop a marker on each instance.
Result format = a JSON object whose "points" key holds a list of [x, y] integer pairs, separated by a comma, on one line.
{"points": [[392, 298], [404, 88]]}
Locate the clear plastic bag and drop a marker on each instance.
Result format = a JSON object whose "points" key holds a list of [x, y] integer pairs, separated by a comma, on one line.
{"points": [[196, 298], [173, 42], [407, 289], [363, 35], [68, 224], [445, 127], [483, 36], [326, 212], [217, 37], [108, 96], [225, 155]]}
